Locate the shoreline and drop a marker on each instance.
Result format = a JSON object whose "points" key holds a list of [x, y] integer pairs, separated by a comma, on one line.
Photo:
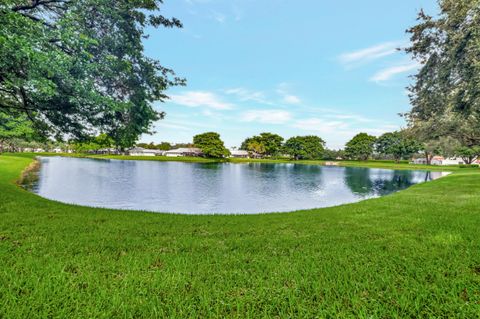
{"points": [[381, 164]]}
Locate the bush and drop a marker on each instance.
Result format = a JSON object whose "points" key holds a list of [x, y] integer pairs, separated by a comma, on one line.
{"points": [[468, 165]]}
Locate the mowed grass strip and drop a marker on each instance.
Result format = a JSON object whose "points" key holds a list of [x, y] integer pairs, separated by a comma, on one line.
{"points": [[413, 254]]}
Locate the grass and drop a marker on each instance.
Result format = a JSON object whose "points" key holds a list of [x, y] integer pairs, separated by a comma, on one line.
{"points": [[413, 254]]}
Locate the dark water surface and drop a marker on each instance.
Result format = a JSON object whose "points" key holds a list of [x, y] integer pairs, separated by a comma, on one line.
{"points": [[191, 188]]}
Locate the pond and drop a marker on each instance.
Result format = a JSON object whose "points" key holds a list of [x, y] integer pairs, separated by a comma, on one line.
{"points": [[225, 188]]}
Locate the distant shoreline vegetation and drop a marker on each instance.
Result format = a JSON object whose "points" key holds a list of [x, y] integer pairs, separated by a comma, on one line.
{"points": [[207, 147]]}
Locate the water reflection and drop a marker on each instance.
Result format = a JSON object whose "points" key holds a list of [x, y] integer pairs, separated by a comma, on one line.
{"points": [[214, 188]]}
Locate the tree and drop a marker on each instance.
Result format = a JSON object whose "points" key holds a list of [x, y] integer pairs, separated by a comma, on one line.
{"points": [[99, 142], [397, 145], [445, 146], [304, 147], [104, 141], [269, 143], [360, 147], [468, 154], [445, 96], [256, 146], [211, 145], [272, 142], [329, 154], [74, 68], [164, 146], [15, 128]]}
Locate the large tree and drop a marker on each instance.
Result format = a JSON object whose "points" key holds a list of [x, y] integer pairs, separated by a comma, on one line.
{"points": [[76, 68], [266, 143], [360, 147], [446, 93], [305, 147], [211, 145], [397, 145]]}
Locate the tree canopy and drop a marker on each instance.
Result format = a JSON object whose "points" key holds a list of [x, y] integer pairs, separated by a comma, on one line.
{"points": [[304, 147], [15, 128], [396, 145], [468, 154], [211, 145], [76, 68], [268, 144], [446, 93], [164, 146], [360, 147], [102, 141]]}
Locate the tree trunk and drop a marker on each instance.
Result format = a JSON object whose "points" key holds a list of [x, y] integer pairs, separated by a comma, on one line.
{"points": [[428, 158]]}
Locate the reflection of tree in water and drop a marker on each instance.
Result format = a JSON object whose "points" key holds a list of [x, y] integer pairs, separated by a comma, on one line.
{"points": [[209, 166], [370, 182], [306, 177], [298, 176], [358, 180]]}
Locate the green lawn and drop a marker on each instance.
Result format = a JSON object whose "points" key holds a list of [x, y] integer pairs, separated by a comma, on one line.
{"points": [[412, 254]]}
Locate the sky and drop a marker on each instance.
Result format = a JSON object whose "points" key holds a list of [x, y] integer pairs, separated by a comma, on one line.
{"points": [[304, 67]]}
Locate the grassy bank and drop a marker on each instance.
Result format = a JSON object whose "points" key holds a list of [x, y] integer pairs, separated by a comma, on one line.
{"points": [[411, 254]]}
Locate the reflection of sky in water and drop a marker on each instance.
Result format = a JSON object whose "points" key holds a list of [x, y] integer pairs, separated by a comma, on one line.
{"points": [[214, 188]]}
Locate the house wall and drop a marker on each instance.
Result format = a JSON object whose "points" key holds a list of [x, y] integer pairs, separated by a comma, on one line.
{"points": [[142, 154]]}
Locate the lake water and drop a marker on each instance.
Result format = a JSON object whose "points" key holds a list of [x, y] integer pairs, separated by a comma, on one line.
{"points": [[190, 188]]}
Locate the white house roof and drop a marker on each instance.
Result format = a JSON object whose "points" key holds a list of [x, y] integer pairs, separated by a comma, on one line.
{"points": [[184, 150], [143, 150], [239, 152]]}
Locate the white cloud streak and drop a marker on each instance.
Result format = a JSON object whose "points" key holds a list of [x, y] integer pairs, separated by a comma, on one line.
{"points": [[388, 73], [283, 90], [200, 99], [267, 116], [247, 95], [369, 54], [291, 99]]}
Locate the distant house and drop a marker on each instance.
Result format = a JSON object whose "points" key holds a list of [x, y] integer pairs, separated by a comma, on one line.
{"points": [[439, 160], [184, 151], [108, 151], [139, 151], [57, 150], [239, 154]]}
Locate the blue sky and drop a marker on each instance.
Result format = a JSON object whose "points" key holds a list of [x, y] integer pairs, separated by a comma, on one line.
{"points": [[327, 68]]}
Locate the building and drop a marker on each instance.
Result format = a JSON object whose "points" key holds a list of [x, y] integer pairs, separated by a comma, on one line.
{"points": [[139, 151], [107, 151], [239, 154], [439, 160], [184, 151]]}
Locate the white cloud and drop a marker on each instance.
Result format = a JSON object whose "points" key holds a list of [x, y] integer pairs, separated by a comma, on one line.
{"points": [[267, 116], [388, 73], [369, 54], [320, 125], [353, 117], [248, 95], [283, 90], [162, 124], [291, 99], [200, 98]]}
